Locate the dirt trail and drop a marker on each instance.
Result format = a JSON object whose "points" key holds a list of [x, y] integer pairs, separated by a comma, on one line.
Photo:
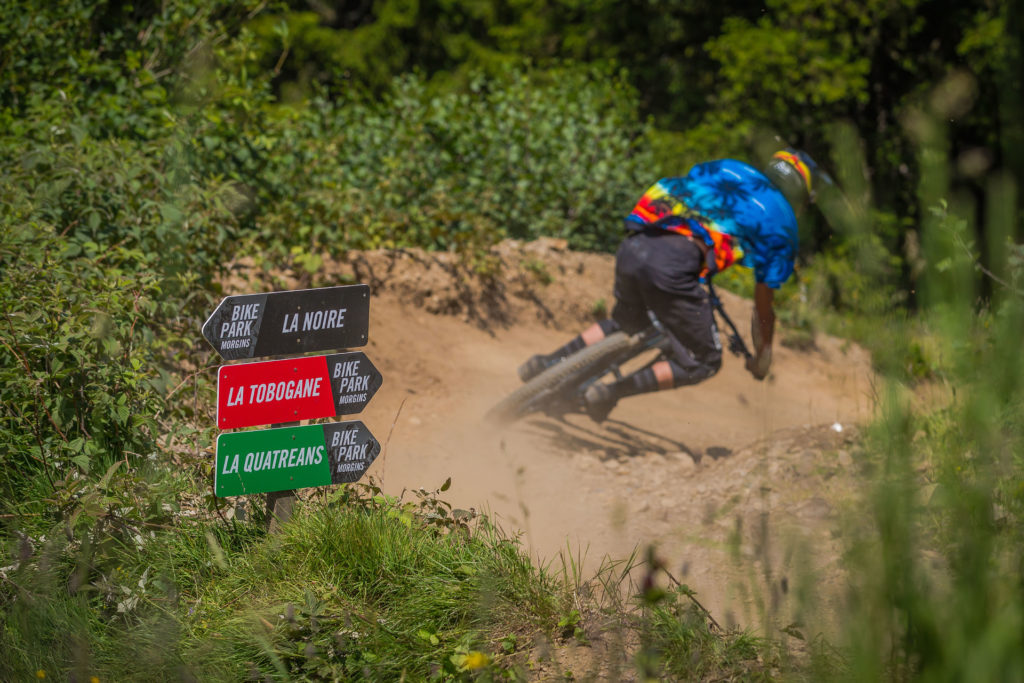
{"points": [[686, 470]]}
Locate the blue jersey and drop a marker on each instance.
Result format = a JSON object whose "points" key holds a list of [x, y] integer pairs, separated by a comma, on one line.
{"points": [[734, 209]]}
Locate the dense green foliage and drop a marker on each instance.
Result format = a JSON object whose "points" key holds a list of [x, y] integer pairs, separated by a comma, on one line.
{"points": [[363, 45], [456, 171], [792, 66]]}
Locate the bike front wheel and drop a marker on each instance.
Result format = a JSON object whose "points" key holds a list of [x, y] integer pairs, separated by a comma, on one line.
{"points": [[569, 372]]}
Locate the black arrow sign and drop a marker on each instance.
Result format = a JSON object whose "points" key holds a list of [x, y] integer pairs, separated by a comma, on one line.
{"points": [[282, 323], [351, 449], [354, 381]]}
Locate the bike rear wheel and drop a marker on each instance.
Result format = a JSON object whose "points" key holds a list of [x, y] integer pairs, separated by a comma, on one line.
{"points": [[568, 372]]}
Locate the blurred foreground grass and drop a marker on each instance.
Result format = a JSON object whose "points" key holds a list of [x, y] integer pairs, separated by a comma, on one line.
{"points": [[358, 586]]}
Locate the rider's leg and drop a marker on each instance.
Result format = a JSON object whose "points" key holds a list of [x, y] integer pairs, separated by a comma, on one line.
{"points": [[667, 374], [671, 289], [540, 362], [696, 352], [591, 335], [683, 368], [629, 313]]}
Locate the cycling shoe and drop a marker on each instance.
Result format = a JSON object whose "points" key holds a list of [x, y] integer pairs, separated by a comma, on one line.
{"points": [[598, 401], [533, 367]]}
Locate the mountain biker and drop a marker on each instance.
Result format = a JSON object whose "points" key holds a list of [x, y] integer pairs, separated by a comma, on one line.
{"points": [[683, 230]]}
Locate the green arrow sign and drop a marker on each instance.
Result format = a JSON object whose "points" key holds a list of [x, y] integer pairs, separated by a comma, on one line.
{"points": [[293, 458]]}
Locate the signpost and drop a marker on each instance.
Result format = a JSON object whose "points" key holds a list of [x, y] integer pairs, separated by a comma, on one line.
{"points": [[293, 457], [282, 323], [278, 460], [295, 389]]}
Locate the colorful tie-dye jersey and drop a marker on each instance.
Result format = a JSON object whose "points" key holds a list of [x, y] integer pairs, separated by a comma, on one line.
{"points": [[734, 209]]}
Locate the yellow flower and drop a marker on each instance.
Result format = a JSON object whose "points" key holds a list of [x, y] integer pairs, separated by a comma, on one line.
{"points": [[94, 679], [476, 660], [40, 674]]}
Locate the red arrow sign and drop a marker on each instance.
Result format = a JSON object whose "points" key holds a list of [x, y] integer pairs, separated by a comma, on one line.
{"points": [[296, 389], [273, 391]]}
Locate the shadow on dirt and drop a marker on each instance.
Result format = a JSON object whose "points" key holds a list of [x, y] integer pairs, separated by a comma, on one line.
{"points": [[717, 452], [611, 439]]}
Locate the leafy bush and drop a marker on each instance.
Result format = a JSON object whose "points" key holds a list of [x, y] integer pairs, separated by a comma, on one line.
{"points": [[118, 65], [81, 380], [534, 153]]}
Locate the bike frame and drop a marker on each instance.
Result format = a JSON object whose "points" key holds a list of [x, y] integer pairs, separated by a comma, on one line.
{"points": [[736, 345]]}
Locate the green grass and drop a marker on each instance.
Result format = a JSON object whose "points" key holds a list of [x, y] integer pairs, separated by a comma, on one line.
{"points": [[360, 588], [340, 590]]}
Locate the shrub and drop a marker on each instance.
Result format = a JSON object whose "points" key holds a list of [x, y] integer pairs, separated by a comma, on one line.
{"points": [[556, 153]]}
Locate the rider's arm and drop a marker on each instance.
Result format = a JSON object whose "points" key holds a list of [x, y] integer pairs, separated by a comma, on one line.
{"points": [[762, 329]]}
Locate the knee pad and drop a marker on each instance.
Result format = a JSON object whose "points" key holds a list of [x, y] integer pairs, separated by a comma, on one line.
{"points": [[692, 370], [608, 326]]}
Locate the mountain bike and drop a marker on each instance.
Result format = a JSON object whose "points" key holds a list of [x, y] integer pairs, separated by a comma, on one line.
{"points": [[559, 389]]}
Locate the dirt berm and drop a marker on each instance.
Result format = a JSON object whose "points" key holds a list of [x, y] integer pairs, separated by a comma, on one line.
{"points": [[728, 479]]}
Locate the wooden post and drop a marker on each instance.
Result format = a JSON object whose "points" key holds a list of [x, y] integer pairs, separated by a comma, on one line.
{"points": [[279, 509], [280, 503]]}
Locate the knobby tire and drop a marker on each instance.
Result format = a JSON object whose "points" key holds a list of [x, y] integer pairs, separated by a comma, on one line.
{"points": [[565, 373]]}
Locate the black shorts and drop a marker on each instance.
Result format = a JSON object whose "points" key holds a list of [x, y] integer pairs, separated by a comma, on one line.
{"points": [[658, 270]]}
